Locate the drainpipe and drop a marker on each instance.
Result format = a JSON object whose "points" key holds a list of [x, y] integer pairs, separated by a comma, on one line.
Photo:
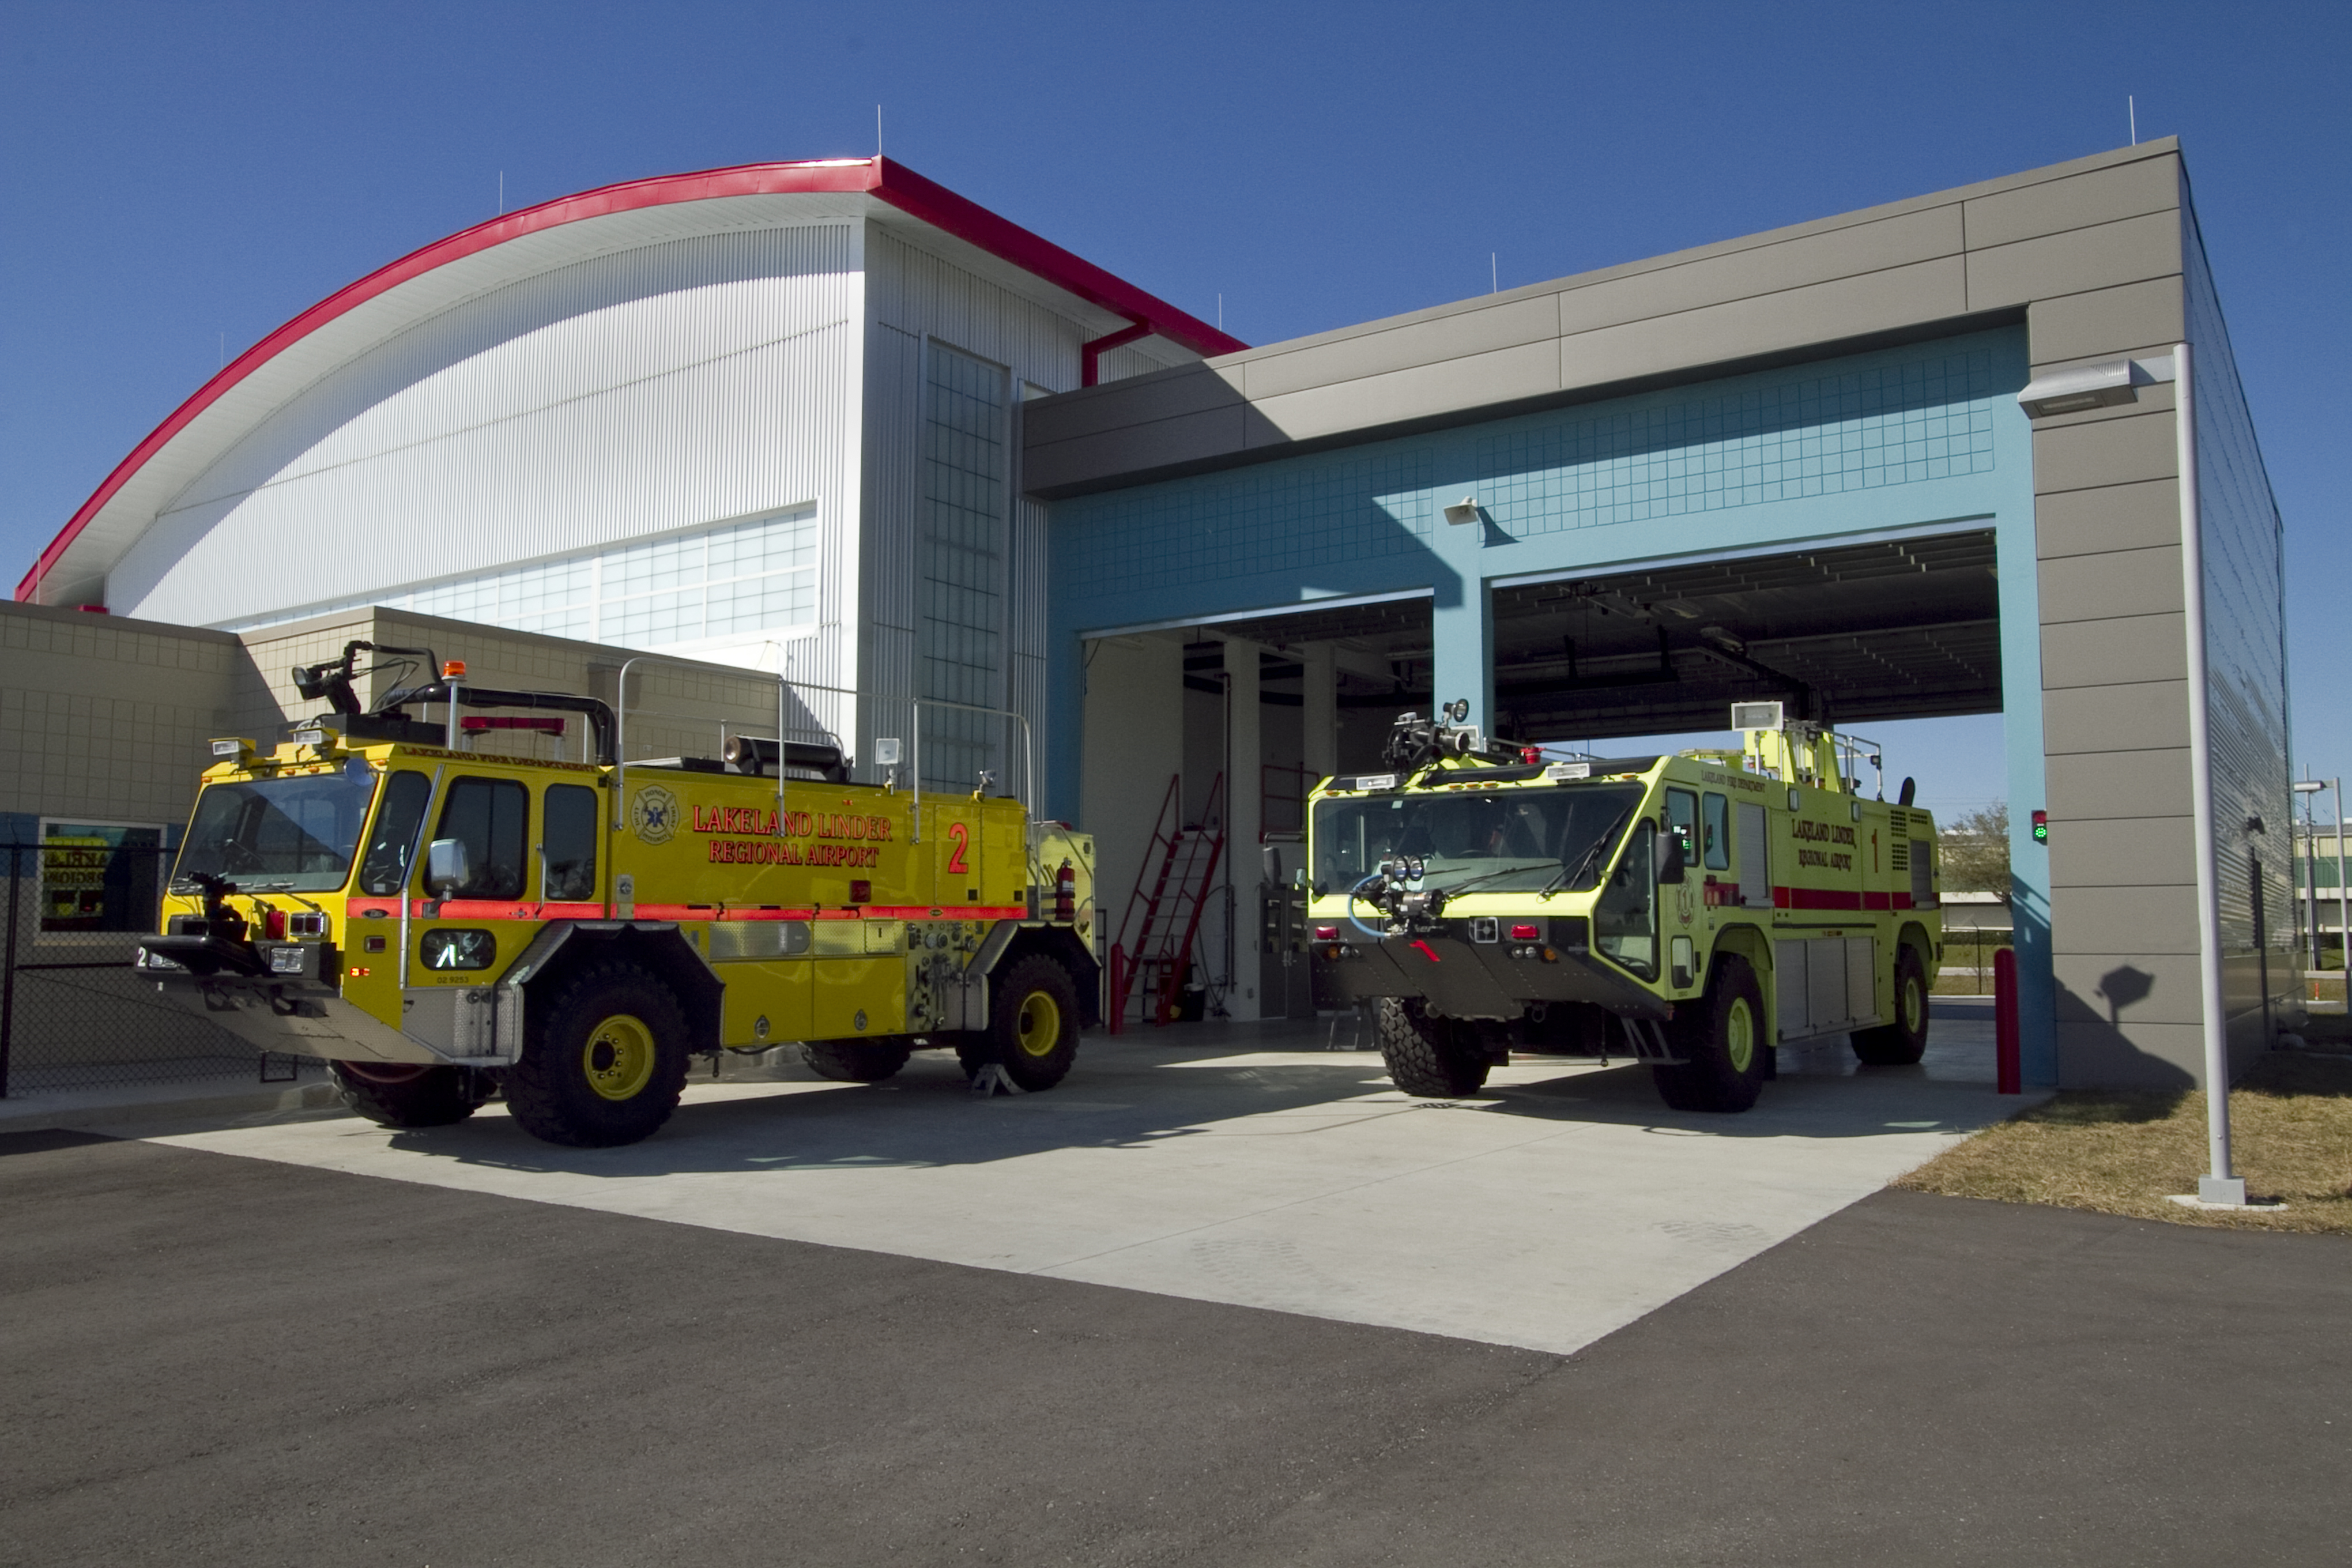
{"points": [[1090, 354]]}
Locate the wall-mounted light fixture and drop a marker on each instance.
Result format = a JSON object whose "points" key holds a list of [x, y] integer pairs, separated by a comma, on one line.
{"points": [[2081, 387], [1462, 511]]}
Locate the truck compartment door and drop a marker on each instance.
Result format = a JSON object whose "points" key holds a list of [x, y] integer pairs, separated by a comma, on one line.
{"points": [[1755, 858], [1824, 985], [1788, 983], [1860, 981]]}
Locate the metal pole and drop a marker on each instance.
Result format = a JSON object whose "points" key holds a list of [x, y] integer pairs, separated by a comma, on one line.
{"points": [[8, 968], [2311, 873], [2343, 890], [2217, 1186]]}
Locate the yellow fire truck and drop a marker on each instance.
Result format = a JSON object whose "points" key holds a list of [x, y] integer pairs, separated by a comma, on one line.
{"points": [[1690, 911], [441, 923]]}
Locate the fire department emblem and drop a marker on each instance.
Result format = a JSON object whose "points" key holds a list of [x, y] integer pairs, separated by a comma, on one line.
{"points": [[653, 814]]}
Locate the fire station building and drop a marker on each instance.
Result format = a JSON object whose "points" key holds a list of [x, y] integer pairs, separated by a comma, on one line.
{"points": [[833, 421]]}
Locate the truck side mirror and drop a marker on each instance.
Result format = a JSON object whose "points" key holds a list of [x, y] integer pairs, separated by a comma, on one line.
{"points": [[1671, 863], [446, 869]]}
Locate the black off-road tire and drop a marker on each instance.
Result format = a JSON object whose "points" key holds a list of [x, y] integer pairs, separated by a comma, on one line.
{"points": [[1904, 1041], [1724, 1043], [1438, 1059], [603, 1059], [1033, 1031], [854, 1061], [409, 1094]]}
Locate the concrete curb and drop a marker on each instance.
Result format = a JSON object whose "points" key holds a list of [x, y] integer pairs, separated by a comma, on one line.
{"points": [[175, 1102]]}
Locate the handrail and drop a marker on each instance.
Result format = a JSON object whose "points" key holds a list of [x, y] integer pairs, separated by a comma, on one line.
{"points": [[785, 686]]}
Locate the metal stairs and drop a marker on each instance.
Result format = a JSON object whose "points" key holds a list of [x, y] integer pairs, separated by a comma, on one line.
{"points": [[1163, 916]]}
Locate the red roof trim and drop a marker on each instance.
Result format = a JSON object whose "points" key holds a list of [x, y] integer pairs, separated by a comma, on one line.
{"points": [[892, 182]]}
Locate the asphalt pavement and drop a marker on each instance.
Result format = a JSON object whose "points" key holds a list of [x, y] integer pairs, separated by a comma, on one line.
{"points": [[212, 1359]]}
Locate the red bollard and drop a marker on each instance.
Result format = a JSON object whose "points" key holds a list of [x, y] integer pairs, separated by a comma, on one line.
{"points": [[1118, 990], [2007, 1070]]}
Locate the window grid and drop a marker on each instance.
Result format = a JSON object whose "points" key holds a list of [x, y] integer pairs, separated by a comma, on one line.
{"points": [[1922, 419], [961, 594]]}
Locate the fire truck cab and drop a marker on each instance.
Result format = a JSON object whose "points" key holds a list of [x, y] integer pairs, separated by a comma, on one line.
{"points": [[1691, 912], [441, 922]]}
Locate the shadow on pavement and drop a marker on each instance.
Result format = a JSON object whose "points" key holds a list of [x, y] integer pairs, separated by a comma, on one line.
{"points": [[1269, 1080]]}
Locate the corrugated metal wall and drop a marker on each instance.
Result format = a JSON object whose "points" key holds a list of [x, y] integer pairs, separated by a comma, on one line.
{"points": [[2246, 647], [656, 389], [913, 295]]}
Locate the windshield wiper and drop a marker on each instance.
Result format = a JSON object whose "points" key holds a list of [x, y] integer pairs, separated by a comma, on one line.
{"points": [[1453, 888], [1600, 846]]}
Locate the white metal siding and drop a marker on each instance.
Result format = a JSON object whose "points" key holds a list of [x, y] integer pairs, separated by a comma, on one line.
{"points": [[655, 389], [912, 294]]}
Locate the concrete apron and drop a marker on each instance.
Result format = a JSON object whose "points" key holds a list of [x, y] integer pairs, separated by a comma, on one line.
{"points": [[1228, 1163]]}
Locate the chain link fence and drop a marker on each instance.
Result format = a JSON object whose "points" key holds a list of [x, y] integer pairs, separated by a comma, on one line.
{"points": [[74, 1015]]}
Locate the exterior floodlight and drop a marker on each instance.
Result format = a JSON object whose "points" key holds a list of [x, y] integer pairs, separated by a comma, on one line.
{"points": [[2084, 386], [1464, 510], [1757, 716], [2308, 787]]}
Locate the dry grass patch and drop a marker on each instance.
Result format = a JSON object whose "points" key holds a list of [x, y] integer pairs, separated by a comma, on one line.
{"points": [[2290, 1131]]}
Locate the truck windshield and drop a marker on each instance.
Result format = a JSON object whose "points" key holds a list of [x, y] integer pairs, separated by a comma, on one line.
{"points": [[286, 835], [1518, 840]]}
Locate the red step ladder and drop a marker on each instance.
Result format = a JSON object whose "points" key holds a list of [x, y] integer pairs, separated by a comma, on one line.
{"points": [[1163, 916]]}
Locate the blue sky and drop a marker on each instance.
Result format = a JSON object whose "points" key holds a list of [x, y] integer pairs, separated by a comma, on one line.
{"points": [[178, 180]]}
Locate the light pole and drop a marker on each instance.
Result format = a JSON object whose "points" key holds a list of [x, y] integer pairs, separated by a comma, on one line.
{"points": [[2343, 888], [2217, 1186], [2307, 788]]}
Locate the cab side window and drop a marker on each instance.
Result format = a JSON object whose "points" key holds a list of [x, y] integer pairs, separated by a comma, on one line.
{"points": [[490, 817], [383, 869], [1715, 831], [568, 824], [1682, 821]]}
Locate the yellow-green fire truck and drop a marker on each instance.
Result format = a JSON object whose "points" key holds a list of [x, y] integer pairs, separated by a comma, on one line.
{"points": [[442, 922], [1691, 912]]}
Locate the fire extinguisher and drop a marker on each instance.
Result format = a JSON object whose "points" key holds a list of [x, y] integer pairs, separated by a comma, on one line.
{"points": [[1066, 893]]}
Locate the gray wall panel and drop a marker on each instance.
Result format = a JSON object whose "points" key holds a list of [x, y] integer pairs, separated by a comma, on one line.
{"points": [[1141, 400], [1502, 326], [2114, 517], [2122, 920], [1527, 370], [2092, 785], [2049, 206], [2129, 989], [2150, 1056], [2070, 262], [1162, 441], [2148, 715], [2125, 852], [1848, 307], [2104, 586], [2129, 318], [1767, 269], [2114, 653], [2112, 452]]}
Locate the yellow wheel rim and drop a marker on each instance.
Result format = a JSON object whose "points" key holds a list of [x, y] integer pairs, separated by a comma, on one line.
{"points": [[1740, 1035], [618, 1060], [1038, 1027], [1911, 1004]]}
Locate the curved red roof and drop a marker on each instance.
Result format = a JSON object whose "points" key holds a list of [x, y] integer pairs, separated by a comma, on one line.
{"points": [[878, 177]]}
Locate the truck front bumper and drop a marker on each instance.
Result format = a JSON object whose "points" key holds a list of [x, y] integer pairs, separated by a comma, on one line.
{"points": [[306, 1015], [1461, 979]]}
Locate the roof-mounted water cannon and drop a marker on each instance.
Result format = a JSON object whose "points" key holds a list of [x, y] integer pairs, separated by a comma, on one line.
{"points": [[1416, 742]]}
